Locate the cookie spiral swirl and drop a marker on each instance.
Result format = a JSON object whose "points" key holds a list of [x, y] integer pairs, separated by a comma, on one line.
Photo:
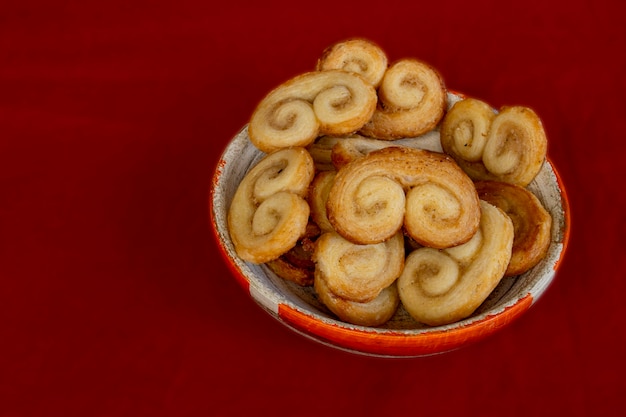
{"points": [[269, 212], [425, 192], [357, 55], [465, 129], [295, 113], [532, 223], [508, 146], [412, 99], [439, 287], [357, 272]]}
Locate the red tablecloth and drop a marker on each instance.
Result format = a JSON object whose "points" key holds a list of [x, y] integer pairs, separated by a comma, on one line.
{"points": [[113, 298]]}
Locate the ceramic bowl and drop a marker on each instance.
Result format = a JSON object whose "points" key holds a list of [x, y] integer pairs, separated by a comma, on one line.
{"points": [[299, 309]]}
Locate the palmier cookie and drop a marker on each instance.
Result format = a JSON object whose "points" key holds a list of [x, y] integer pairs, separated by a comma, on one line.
{"points": [[532, 223], [439, 287], [370, 313], [269, 211], [357, 55], [423, 192], [412, 100], [312, 104], [357, 272], [509, 146]]}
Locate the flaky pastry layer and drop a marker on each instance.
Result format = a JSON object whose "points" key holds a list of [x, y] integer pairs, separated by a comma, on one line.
{"points": [[532, 223], [371, 313], [318, 196]]}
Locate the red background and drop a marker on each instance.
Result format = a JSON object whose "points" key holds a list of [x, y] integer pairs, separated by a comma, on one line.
{"points": [[113, 298]]}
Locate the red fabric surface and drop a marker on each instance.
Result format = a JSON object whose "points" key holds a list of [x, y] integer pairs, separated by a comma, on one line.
{"points": [[113, 298]]}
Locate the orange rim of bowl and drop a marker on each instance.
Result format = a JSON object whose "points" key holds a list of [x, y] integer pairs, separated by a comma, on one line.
{"points": [[403, 344], [565, 207]]}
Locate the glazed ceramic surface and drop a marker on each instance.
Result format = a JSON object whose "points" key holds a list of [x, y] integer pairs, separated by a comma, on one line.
{"points": [[299, 309]]}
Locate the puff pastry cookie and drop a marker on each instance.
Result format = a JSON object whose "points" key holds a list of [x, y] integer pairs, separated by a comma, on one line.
{"points": [[508, 146], [269, 211], [439, 287], [532, 223], [422, 192]]}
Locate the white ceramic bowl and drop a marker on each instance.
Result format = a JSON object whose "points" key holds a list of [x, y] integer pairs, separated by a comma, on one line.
{"points": [[298, 308]]}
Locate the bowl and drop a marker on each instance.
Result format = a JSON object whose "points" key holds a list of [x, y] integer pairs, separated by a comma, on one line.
{"points": [[298, 308]]}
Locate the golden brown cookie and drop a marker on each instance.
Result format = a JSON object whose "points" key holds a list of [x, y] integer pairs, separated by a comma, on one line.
{"points": [[318, 195], [508, 146], [532, 223], [357, 272], [312, 104], [371, 313], [269, 212], [358, 55], [438, 287], [424, 192], [412, 100]]}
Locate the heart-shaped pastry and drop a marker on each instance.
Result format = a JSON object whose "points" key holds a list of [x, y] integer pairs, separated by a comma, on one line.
{"points": [[508, 146]]}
